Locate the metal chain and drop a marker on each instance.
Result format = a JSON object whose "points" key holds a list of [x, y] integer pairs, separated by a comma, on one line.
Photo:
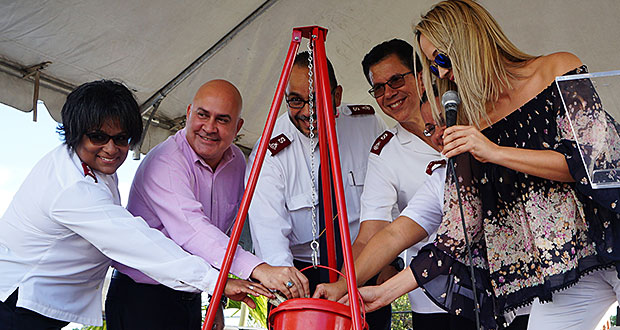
{"points": [[314, 245]]}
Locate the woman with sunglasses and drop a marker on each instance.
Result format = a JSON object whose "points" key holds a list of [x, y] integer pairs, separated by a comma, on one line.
{"points": [[531, 216], [65, 224]]}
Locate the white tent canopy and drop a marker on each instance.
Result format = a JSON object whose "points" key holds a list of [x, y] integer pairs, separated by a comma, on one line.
{"points": [[146, 44]]}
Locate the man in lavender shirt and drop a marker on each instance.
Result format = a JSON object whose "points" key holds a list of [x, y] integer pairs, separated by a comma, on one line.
{"points": [[189, 187]]}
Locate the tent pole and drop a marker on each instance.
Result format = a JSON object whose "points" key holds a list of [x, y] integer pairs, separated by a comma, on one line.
{"points": [[35, 96], [172, 84]]}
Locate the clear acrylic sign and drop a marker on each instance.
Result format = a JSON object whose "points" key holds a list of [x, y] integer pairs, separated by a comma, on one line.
{"points": [[592, 104]]}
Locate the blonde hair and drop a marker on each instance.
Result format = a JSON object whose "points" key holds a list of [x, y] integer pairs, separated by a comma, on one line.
{"points": [[482, 56]]}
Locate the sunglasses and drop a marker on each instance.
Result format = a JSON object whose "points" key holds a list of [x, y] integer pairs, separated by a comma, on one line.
{"points": [[100, 138], [441, 61], [397, 81]]}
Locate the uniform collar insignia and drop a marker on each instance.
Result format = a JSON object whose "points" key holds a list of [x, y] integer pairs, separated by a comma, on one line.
{"points": [[380, 142], [435, 164], [278, 144], [89, 172], [361, 109]]}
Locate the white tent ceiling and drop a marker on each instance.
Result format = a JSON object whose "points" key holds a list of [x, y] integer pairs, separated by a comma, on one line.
{"points": [[147, 43]]}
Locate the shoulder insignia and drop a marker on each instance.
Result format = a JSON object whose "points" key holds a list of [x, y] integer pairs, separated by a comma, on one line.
{"points": [[361, 109], [380, 142], [435, 164], [88, 171], [278, 143]]}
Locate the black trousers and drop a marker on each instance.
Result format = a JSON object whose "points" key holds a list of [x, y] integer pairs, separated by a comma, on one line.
{"points": [[130, 305], [519, 323], [380, 319], [17, 318]]}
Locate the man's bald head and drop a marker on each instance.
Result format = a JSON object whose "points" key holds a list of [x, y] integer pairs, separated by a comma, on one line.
{"points": [[213, 120], [223, 89]]}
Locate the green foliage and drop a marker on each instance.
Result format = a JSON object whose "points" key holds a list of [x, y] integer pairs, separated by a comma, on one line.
{"points": [[401, 321], [259, 314], [92, 327]]}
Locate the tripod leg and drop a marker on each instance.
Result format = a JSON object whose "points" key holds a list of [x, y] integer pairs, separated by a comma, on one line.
{"points": [[253, 178]]}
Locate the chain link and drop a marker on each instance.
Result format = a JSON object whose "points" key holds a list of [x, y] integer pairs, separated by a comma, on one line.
{"points": [[314, 245]]}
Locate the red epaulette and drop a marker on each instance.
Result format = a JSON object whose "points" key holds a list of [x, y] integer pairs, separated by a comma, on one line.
{"points": [[89, 172], [380, 142], [278, 143], [435, 164], [361, 109]]}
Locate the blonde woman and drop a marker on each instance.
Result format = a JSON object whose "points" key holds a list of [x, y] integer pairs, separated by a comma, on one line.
{"points": [[531, 216]]}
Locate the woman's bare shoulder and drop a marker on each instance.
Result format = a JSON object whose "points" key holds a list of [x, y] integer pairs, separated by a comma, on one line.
{"points": [[557, 64]]}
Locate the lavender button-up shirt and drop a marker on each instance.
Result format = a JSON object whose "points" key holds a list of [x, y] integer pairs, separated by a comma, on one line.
{"points": [[176, 192]]}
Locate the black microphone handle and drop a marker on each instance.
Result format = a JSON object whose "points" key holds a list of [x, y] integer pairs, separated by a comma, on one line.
{"points": [[450, 116]]}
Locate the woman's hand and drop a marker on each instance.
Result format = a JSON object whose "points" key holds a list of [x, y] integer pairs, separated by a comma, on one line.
{"points": [[375, 297], [238, 290], [461, 139], [331, 291], [372, 297]]}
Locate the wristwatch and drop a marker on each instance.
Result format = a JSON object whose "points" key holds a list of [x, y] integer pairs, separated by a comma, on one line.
{"points": [[398, 263], [223, 301]]}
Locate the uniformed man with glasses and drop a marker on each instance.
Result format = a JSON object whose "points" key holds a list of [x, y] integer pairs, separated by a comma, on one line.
{"points": [[280, 214], [401, 160]]}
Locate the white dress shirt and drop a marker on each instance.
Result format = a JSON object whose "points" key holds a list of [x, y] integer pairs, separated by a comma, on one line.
{"points": [[61, 230], [280, 213], [396, 170]]}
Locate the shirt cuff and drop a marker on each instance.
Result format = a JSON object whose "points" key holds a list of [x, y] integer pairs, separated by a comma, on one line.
{"points": [[428, 226], [376, 214], [244, 263]]}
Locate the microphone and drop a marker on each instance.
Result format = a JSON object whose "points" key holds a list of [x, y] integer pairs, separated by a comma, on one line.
{"points": [[450, 101]]}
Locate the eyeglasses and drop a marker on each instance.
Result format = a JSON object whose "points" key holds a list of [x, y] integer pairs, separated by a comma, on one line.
{"points": [[397, 81], [441, 60], [100, 138], [428, 129], [297, 102]]}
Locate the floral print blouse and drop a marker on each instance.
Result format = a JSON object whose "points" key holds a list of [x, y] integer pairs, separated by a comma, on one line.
{"points": [[530, 236]]}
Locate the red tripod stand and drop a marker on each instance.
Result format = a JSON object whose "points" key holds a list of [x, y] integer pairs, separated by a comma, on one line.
{"points": [[328, 147]]}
